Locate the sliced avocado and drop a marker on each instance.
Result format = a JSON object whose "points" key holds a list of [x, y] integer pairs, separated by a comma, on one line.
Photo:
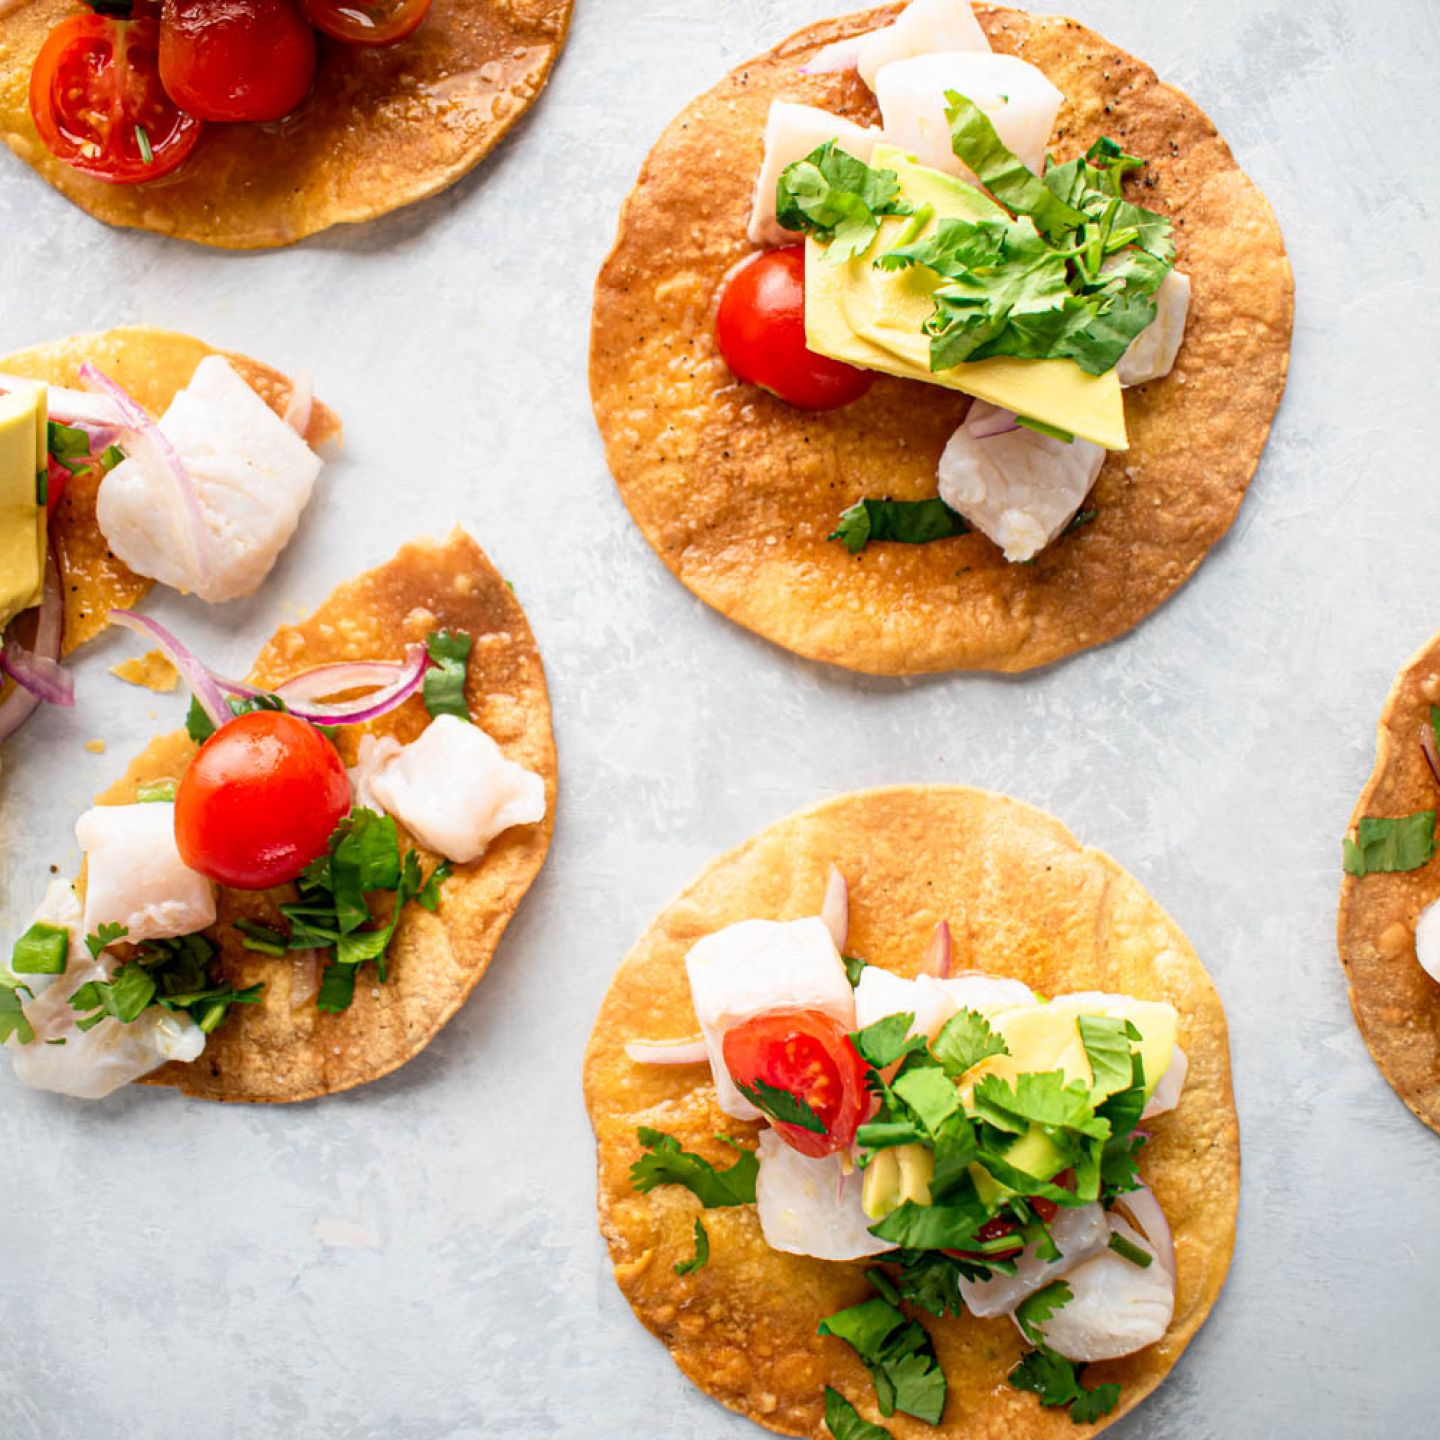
{"points": [[1034, 1153], [23, 464], [875, 319]]}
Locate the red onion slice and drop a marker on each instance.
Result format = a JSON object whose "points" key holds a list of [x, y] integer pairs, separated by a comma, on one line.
{"points": [[202, 683], [144, 439], [39, 670], [22, 702], [335, 679], [1167, 1092], [1150, 1219], [1432, 753], [997, 422], [835, 908], [300, 403], [369, 707], [938, 956], [690, 1051], [69, 407], [304, 977]]}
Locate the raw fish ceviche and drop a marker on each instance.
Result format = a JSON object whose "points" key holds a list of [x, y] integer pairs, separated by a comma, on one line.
{"points": [[122, 90], [981, 1146]]}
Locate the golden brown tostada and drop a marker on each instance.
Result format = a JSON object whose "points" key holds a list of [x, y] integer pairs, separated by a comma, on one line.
{"points": [[1396, 1004], [152, 365], [737, 491], [1024, 900], [381, 128], [275, 1052]]}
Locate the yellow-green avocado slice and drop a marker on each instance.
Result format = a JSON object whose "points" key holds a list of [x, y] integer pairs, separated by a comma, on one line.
{"points": [[875, 318], [23, 461]]}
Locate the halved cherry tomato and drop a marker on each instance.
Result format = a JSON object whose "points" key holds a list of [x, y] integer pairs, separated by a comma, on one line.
{"points": [[808, 1055], [240, 60], [995, 1229], [98, 104], [260, 801], [760, 327], [368, 22]]}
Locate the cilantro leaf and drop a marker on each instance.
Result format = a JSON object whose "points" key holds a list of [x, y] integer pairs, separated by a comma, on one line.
{"points": [[1387, 845], [200, 727], [667, 1164], [103, 937], [781, 1105], [1057, 1382], [931, 1280], [125, 996], [844, 1421], [444, 687], [933, 1227], [853, 969], [1033, 1311], [965, 1040], [1107, 1042], [1090, 1405], [838, 199], [884, 1042], [898, 1354], [1038, 1099], [930, 1093], [12, 1016], [906, 522], [702, 1250]]}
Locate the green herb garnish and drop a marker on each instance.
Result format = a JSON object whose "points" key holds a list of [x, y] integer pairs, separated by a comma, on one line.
{"points": [[1057, 1382], [907, 522], [781, 1105], [200, 727], [12, 1014], [1128, 1250], [702, 1251], [667, 1164], [1383, 846], [838, 199], [898, 1354], [142, 139], [1033, 1311], [69, 446], [444, 687], [262, 938], [845, 1422]]}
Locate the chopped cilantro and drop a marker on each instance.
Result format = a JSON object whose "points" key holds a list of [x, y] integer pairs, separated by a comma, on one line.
{"points": [[702, 1251], [907, 522], [898, 1354], [12, 1015], [781, 1105], [931, 1280], [200, 727], [261, 938], [1386, 845], [845, 1422], [41, 950], [1107, 1041], [965, 1041], [69, 446], [103, 937], [1034, 1310], [853, 969], [837, 198], [445, 682], [667, 1164], [1057, 1382], [884, 1042]]}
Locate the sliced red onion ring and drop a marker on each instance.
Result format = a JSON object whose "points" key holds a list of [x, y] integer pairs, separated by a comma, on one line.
{"points": [[1167, 1093], [836, 56], [998, 422], [23, 701], [142, 438], [937, 958], [1145, 1210], [304, 977], [406, 682], [835, 908], [70, 407], [690, 1051], [1432, 752], [202, 683], [41, 677], [336, 679], [300, 403]]}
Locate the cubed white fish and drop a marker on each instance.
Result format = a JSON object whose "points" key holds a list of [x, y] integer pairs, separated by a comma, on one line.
{"points": [[1166, 1095], [1021, 103], [1427, 940], [756, 966], [925, 27], [791, 133], [1019, 488], [253, 476], [452, 788], [94, 1063], [985, 993], [135, 876], [1079, 1233], [1116, 1307], [1152, 352], [811, 1206], [931, 1000]]}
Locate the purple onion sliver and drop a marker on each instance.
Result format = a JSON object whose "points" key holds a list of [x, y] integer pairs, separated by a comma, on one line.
{"points": [[371, 707], [69, 407], [1430, 749], [341, 676], [200, 681], [1002, 422], [41, 677]]}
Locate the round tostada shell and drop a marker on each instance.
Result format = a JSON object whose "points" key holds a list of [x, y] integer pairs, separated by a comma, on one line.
{"points": [[737, 491], [151, 365], [381, 128], [1023, 899], [1396, 1004], [276, 1051]]}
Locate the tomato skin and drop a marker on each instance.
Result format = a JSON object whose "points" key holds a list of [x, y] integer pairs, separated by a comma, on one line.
{"points": [[240, 60], [93, 83], [760, 328], [367, 22], [990, 1230], [260, 801], [809, 1054]]}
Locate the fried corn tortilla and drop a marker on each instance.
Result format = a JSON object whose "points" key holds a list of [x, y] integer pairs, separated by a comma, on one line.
{"points": [[1396, 1004], [151, 365], [382, 127], [1023, 899], [277, 1051], [738, 491]]}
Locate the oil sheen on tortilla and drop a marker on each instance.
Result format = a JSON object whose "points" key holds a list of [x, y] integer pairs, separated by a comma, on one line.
{"points": [[1396, 1004], [737, 491], [1023, 899], [383, 127]]}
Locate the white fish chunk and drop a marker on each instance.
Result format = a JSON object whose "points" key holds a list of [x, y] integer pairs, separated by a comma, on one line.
{"points": [[811, 1207], [931, 1000], [1152, 352], [1427, 940], [985, 993], [253, 475], [1117, 1307], [1079, 1233], [1166, 1095], [1021, 103], [135, 876], [452, 788], [1019, 488], [925, 27], [791, 132], [756, 966]]}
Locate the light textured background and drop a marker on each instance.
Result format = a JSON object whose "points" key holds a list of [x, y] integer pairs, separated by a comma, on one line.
{"points": [[419, 1259]]}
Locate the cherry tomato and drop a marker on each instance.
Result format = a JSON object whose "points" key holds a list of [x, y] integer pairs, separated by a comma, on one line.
{"points": [[367, 22], [808, 1054], [98, 104], [240, 60], [991, 1230], [260, 801], [760, 327]]}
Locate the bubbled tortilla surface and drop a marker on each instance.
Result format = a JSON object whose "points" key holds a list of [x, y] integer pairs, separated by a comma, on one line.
{"points": [[382, 127], [738, 492], [1396, 1004], [1023, 899]]}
